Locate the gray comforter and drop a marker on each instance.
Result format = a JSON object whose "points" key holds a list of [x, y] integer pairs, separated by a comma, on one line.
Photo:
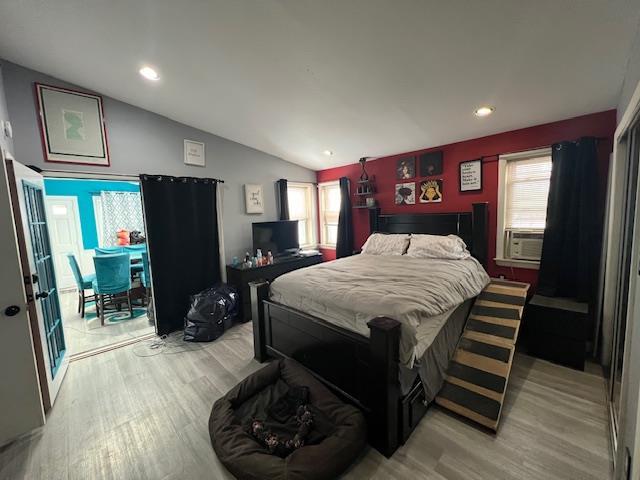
{"points": [[419, 293]]}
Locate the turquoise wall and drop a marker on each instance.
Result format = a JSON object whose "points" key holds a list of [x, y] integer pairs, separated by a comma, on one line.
{"points": [[84, 191]]}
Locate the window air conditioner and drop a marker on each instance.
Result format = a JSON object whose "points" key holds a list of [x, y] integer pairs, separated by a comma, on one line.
{"points": [[525, 245]]}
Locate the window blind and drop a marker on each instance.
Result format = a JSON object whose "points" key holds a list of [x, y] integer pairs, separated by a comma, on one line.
{"points": [[527, 190], [329, 212]]}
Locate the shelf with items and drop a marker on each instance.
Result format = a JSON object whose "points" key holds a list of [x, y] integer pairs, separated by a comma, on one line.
{"points": [[366, 189]]}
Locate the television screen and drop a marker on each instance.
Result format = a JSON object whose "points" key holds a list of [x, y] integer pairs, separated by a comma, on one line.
{"points": [[281, 238]]}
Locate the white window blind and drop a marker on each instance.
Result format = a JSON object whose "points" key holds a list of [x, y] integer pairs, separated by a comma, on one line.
{"points": [[527, 189], [302, 208], [329, 211]]}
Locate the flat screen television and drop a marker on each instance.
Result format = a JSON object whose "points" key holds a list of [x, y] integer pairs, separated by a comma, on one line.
{"points": [[281, 238]]}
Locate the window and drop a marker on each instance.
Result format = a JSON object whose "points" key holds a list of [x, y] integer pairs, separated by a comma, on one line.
{"points": [[302, 207], [329, 197], [522, 207]]}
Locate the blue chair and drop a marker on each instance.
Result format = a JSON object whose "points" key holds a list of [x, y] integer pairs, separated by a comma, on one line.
{"points": [[113, 281], [109, 250], [146, 276], [146, 272], [83, 282], [137, 248]]}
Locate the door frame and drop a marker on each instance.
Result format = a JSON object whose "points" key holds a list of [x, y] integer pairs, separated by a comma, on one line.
{"points": [[626, 434], [75, 175]]}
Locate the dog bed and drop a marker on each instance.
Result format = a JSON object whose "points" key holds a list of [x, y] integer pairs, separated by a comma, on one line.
{"points": [[261, 403]]}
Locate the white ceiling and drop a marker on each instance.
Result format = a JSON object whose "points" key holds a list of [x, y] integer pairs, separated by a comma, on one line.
{"points": [[359, 77]]}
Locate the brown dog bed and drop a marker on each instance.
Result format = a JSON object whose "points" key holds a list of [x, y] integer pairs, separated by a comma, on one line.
{"points": [[337, 436]]}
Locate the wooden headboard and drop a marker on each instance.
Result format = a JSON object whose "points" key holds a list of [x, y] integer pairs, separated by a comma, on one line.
{"points": [[472, 226]]}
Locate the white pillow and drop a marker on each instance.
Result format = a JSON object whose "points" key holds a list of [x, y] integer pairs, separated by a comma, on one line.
{"points": [[450, 247], [386, 244]]}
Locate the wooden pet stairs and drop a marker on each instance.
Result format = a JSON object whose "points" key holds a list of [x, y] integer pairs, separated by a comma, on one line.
{"points": [[478, 373]]}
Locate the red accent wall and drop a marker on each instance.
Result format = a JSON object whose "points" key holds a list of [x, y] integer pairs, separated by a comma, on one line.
{"points": [[601, 124]]}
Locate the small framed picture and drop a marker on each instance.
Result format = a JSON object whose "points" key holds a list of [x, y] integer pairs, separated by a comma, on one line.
{"points": [[406, 168], [405, 193], [72, 126], [431, 191], [253, 198], [471, 176], [194, 153], [431, 163]]}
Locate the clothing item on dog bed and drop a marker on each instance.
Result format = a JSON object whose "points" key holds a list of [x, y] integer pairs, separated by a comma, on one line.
{"points": [[281, 397]]}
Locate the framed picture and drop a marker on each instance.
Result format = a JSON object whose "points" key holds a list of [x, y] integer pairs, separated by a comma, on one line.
{"points": [[405, 193], [471, 176], [194, 153], [406, 168], [72, 126], [431, 164], [253, 198], [431, 191]]}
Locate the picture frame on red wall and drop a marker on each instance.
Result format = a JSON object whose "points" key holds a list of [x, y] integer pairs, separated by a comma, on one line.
{"points": [[470, 176]]}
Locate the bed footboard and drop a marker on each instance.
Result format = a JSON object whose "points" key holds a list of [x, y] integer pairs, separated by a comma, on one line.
{"points": [[362, 370]]}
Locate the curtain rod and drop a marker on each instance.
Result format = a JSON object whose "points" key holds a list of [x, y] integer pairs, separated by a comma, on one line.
{"points": [[101, 175], [598, 140], [147, 175]]}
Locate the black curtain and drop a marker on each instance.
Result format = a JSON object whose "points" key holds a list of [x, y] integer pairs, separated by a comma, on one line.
{"points": [[283, 198], [569, 263], [182, 239], [344, 245]]}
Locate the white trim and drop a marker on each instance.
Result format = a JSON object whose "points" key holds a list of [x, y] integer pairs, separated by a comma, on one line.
{"points": [[321, 233], [538, 152], [220, 221], [628, 432], [510, 262], [313, 212], [329, 184], [500, 233], [633, 108], [89, 176]]}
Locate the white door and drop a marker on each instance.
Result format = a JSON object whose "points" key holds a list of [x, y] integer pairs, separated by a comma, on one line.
{"points": [[28, 188], [21, 403], [66, 236]]}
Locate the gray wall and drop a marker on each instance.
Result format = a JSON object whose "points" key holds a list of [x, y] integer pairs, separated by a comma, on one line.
{"points": [[5, 142], [632, 77], [143, 142]]}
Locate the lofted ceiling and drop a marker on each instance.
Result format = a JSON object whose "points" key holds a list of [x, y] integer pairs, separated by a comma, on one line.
{"points": [[358, 77]]}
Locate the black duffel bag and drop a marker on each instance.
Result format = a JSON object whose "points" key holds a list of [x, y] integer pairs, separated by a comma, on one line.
{"points": [[211, 312]]}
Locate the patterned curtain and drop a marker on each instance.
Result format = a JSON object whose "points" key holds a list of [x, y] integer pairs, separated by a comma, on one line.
{"points": [[120, 210]]}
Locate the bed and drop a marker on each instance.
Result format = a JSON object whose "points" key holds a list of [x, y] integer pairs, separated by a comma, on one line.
{"points": [[358, 323]]}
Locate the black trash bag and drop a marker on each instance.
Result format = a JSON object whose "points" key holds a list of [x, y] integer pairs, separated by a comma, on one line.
{"points": [[211, 312]]}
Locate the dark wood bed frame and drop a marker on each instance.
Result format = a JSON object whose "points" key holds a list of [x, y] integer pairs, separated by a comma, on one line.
{"points": [[363, 371]]}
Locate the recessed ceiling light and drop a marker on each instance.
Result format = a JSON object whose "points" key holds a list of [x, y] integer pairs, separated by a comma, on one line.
{"points": [[328, 153], [484, 111], [149, 73]]}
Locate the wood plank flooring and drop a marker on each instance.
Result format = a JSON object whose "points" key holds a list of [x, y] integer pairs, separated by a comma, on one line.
{"points": [[121, 415]]}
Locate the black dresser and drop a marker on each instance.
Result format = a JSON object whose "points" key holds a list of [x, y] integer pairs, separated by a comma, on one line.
{"points": [[556, 329], [240, 277]]}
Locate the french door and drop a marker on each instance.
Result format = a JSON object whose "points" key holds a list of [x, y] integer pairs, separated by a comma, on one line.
{"points": [[43, 303]]}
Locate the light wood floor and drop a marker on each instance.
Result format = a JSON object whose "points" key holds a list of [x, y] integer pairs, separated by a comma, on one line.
{"points": [[125, 416], [83, 334]]}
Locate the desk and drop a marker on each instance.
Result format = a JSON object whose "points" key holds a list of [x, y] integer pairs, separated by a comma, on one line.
{"points": [[239, 277]]}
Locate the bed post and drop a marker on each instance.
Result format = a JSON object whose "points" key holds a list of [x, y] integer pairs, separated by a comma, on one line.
{"points": [[480, 232], [259, 293], [384, 344]]}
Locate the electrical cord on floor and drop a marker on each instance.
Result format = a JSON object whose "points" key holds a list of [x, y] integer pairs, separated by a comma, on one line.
{"points": [[165, 345]]}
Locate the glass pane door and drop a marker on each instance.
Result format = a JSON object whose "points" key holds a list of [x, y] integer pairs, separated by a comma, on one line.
{"points": [[47, 293]]}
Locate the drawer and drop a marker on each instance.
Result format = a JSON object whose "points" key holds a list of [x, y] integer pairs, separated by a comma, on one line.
{"points": [[412, 409]]}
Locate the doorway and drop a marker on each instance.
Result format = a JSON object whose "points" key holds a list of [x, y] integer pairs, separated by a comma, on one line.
{"points": [[91, 220]]}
